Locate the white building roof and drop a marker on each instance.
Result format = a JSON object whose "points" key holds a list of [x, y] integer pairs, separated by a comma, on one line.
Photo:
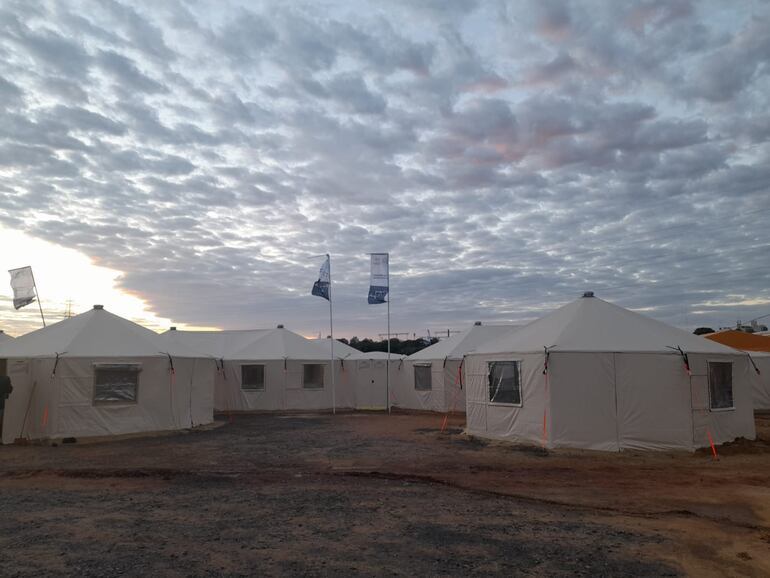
{"points": [[379, 355], [345, 351], [95, 333], [460, 344], [341, 350], [252, 344], [592, 324]]}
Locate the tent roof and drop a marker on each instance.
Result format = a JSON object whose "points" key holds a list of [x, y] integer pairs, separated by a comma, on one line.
{"points": [[378, 355], [341, 350], [345, 351], [253, 344], [95, 333], [466, 341], [592, 324], [4, 336], [213, 343], [741, 340]]}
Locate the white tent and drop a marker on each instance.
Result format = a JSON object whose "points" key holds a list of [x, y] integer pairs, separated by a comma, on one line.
{"points": [[760, 379], [269, 369], [432, 379], [3, 337], [367, 370], [371, 378], [757, 347], [341, 350], [98, 374], [614, 380]]}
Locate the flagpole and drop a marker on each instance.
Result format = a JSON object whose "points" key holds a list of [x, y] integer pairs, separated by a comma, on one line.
{"points": [[331, 331], [387, 367], [37, 295]]}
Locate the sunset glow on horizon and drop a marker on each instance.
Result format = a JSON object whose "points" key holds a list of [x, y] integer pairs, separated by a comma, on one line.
{"points": [[66, 278]]}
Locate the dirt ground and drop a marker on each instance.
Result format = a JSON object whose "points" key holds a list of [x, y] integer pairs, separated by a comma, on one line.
{"points": [[372, 494]]}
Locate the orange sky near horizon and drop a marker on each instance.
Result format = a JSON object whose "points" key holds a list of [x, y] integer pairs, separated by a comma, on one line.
{"points": [[65, 275]]}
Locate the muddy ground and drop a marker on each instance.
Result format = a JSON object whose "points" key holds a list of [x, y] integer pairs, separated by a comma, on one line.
{"points": [[371, 494]]}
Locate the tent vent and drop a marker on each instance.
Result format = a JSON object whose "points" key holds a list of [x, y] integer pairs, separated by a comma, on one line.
{"points": [[172, 329], [279, 326], [477, 323], [588, 294], [98, 307]]}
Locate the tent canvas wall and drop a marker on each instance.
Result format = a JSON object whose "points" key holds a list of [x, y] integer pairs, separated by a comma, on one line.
{"points": [[367, 371], [371, 378], [270, 370], [758, 348], [612, 382], [3, 337], [760, 380], [432, 379], [98, 374]]}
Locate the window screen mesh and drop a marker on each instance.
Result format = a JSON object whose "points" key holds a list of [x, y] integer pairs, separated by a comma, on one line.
{"points": [[313, 376], [116, 383], [422, 378], [721, 385], [504, 385], [252, 377]]}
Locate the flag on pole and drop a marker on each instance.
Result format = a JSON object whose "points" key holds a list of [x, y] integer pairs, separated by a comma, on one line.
{"points": [[321, 287], [23, 285], [379, 279]]}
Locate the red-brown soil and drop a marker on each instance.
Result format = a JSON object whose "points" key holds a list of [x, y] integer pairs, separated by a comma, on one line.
{"points": [[372, 494]]}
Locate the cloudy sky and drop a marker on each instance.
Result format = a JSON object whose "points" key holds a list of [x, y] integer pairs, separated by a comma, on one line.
{"points": [[189, 158]]}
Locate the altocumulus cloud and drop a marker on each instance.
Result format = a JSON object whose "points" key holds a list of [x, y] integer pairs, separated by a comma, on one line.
{"points": [[508, 155]]}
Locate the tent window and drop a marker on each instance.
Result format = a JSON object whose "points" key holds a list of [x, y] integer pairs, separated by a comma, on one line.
{"points": [[423, 378], [116, 383], [253, 377], [720, 385], [504, 382], [313, 376]]}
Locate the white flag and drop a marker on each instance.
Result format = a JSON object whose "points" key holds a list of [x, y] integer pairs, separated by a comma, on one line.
{"points": [[379, 279], [23, 285], [321, 287]]}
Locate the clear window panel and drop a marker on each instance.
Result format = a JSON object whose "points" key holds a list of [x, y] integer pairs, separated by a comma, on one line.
{"points": [[720, 385], [504, 384], [313, 376], [116, 383], [253, 377], [423, 378]]}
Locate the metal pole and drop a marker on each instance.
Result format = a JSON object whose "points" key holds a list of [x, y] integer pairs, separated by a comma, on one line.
{"points": [[387, 367], [37, 295], [331, 331]]}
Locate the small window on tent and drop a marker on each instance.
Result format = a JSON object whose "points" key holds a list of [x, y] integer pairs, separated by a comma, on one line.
{"points": [[313, 376], [505, 382], [422, 377], [253, 377], [721, 385], [116, 382]]}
